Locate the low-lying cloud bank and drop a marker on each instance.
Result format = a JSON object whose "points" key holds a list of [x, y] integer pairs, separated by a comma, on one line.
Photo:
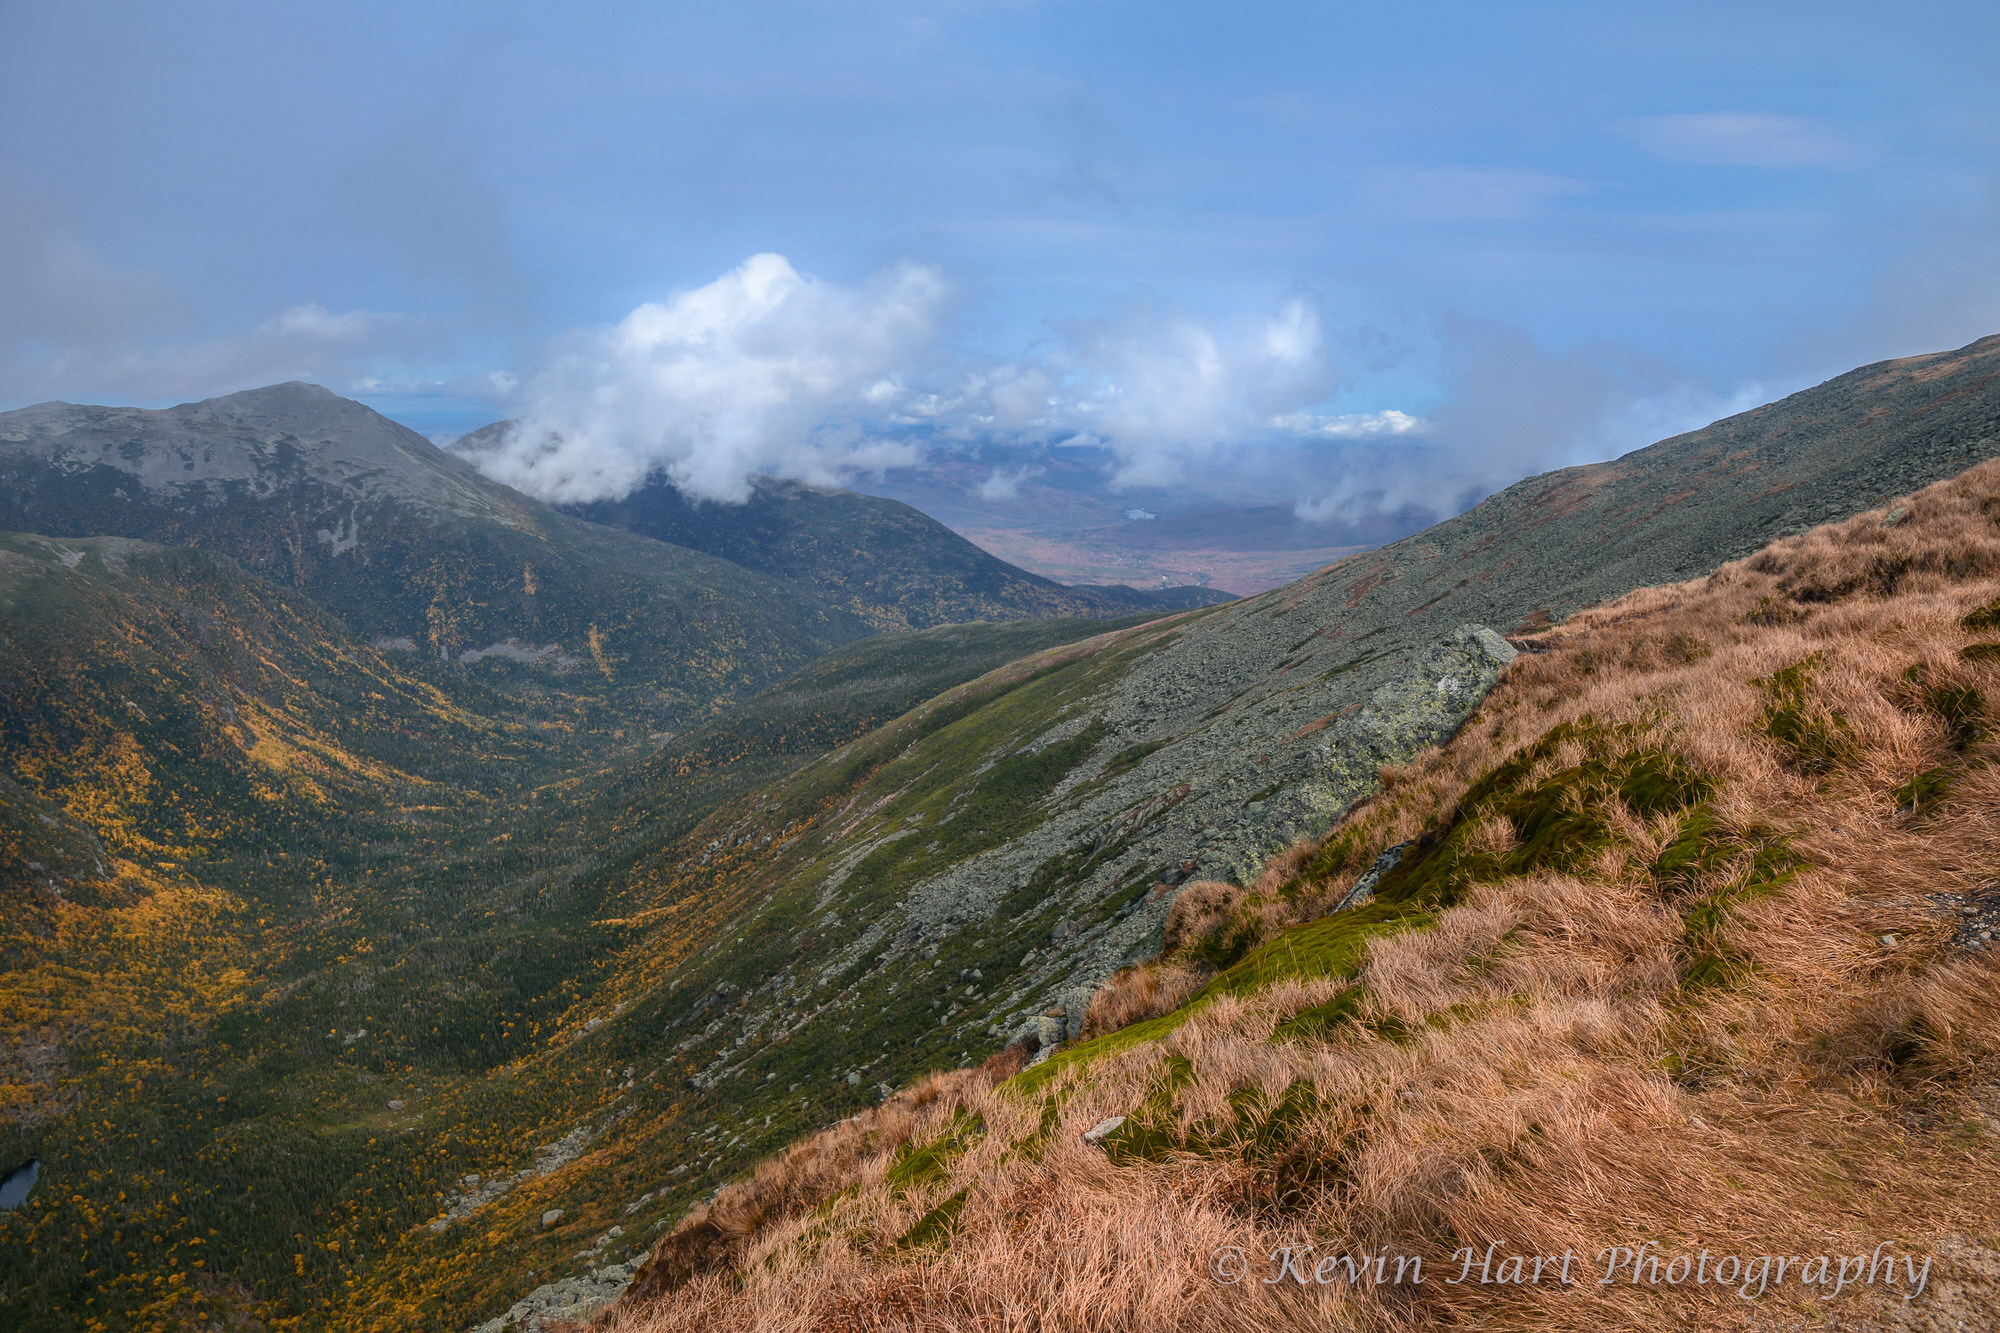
{"points": [[770, 372]]}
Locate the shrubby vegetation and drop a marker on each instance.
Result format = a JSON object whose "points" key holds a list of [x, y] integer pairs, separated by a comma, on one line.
{"points": [[303, 936]]}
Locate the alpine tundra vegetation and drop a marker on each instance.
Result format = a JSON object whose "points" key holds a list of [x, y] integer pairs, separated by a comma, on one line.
{"points": [[687, 949], [1684, 938]]}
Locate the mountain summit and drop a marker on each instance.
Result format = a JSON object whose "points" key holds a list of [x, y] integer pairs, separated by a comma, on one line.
{"points": [[412, 547], [259, 440]]}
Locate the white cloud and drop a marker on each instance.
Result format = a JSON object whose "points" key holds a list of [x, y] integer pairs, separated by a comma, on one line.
{"points": [[1351, 425], [1162, 389], [1740, 139], [1005, 483], [1517, 409], [762, 372]]}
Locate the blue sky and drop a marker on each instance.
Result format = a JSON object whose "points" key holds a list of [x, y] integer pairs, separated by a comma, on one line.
{"points": [[1183, 234]]}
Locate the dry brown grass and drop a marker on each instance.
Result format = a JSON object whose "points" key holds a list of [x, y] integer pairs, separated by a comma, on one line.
{"points": [[1533, 1069]]}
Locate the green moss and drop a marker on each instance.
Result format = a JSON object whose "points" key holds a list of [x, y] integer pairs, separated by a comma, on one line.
{"points": [[1810, 740], [1037, 1140], [1980, 652], [1561, 820], [1280, 1130], [1765, 864], [1255, 1128], [1330, 947], [1153, 1128], [1962, 709], [929, 1162], [1982, 621], [1562, 824], [1336, 855], [1221, 949], [933, 1231], [1323, 1021], [1924, 790], [1030, 1081], [1696, 850]]}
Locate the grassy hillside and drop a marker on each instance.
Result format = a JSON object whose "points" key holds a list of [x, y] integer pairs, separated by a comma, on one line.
{"points": [[1689, 942], [340, 968]]}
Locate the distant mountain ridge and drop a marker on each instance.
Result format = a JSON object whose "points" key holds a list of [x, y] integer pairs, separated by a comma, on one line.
{"points": [[413, 547], [880, 559]]}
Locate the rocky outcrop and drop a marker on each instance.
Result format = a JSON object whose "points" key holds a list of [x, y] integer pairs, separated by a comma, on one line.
{"points": [[568, 1299]]}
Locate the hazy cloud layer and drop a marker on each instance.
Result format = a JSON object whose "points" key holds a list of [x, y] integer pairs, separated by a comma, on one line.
{"points": [[1463, 194], [1515, 409], [1164, 389], [768, 372]]}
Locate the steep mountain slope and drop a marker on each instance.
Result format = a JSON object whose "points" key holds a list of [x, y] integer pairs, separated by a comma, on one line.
{"points": [[882, 560], [244, 860], [972, 873], [282, 910], [1677, 1004], [1197, 747], [410, 546]]}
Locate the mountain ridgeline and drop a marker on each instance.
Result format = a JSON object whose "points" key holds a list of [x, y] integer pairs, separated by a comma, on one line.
{"points": [[893, 566], [426, 896], [603, 629]]}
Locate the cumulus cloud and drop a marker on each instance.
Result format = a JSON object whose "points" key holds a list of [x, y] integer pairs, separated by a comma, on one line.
{"points": [[1740, 139], [1163, 390], [763, 372]]}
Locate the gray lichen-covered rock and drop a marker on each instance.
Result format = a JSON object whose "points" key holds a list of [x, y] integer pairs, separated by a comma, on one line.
{"points": [[571, 1298], [1405, 715]]}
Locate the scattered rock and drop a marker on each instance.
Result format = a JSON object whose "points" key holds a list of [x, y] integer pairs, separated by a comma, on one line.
{"points": [[552, 1216], [476, 1191], [1102, 1130], [1364, 888]]}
